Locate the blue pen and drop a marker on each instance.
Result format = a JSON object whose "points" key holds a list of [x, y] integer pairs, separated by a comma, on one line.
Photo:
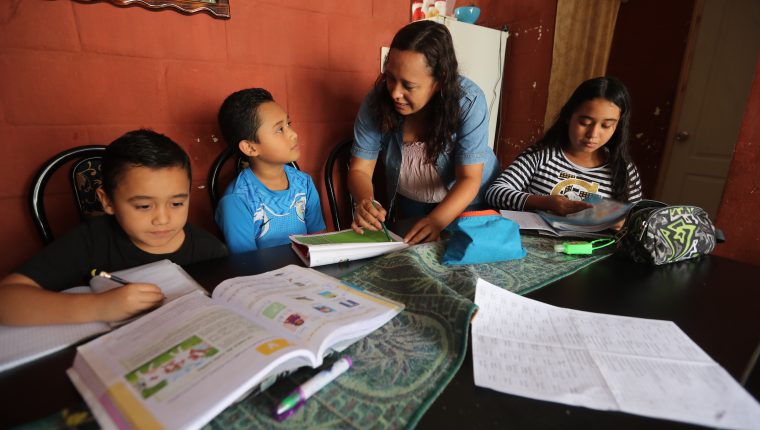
{"points": [[289, 405]]}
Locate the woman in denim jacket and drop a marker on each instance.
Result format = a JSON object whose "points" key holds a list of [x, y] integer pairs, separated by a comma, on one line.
{"points": [[431, 125]]}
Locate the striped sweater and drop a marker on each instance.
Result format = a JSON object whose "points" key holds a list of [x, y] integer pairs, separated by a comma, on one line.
{"points": [[548, 172]]}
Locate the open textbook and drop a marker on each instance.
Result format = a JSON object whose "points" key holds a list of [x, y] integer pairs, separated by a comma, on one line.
{"points": [[608, 362], [182, 364], [345, 245], [603, 215], [19, 345], [534, 222]]}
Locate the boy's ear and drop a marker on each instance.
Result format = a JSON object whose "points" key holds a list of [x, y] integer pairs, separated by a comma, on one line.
{"points": [[248, 148], [105, 201]]}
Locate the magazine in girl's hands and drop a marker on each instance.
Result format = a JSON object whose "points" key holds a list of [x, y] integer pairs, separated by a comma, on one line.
{"points": [[604, 214]]}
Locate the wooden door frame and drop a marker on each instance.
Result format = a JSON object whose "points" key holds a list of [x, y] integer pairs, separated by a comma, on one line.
{"points": [[683, 79]]}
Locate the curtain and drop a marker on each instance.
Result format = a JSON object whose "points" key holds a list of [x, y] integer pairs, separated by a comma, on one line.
{"points": [[582, 39]]}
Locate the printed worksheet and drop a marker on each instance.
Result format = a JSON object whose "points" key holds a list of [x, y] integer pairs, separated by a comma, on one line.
{"points": [[608, 362]]}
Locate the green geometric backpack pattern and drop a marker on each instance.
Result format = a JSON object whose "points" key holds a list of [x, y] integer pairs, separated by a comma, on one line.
{"points": [[655, 233]]}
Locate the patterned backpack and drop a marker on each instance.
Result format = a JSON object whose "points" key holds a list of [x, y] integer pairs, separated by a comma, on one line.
{"points": [[656, 233]]}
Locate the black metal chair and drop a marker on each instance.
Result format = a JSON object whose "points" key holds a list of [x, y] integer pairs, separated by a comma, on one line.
{"points": [[339, 156], [85, 179], [336, 168], [215, 175]]}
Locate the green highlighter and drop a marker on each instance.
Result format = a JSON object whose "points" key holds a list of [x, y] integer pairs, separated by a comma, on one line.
{"points": [[385, 229], [582, 248]]}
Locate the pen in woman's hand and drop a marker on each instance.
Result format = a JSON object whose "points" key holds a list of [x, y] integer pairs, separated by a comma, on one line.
{"points": [[385, 229]]}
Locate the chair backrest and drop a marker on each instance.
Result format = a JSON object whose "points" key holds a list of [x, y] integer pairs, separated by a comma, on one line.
{"points": [[85, 179], [340, 200], [214, 176], [339, 157]]}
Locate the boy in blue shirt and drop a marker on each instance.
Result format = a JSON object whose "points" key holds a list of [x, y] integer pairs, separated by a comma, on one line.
{"points": [[271, 199], [145, 195]]}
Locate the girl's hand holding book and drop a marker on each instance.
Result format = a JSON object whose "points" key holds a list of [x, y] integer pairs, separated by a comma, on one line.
{"points": [[561, 205]]}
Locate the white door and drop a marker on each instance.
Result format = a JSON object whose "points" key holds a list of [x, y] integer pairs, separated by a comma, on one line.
{"points": [[702, 138]]}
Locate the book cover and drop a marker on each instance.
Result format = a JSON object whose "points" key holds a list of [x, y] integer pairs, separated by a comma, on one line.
{"points": [[345, 245]]}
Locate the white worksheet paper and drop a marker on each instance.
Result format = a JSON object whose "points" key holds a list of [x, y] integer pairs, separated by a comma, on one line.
{"points": [[641, 366]]}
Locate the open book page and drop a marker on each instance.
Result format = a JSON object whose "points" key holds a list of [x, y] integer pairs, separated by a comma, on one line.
{"points": [[170, 277], [319, 310], [181, 364], [603, 215], [21, 344], [533, 221], [344, 245], [641, 366]]}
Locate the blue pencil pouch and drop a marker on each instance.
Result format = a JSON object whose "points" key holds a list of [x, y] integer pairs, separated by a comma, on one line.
{"points": [[482, 237]]}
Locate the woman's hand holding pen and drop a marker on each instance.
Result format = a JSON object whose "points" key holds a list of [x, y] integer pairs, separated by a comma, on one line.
{"points": [[128, 300], [368, 214]]}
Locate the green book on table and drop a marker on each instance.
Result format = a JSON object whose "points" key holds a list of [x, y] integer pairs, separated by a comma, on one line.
{"points": [[344, 245]]}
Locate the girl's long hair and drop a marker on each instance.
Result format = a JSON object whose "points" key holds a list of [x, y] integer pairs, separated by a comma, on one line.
{"points": [[612, 90], [434, 41]]}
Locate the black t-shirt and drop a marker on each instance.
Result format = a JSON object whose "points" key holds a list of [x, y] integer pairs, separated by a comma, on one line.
{"points": [[101, 243]]}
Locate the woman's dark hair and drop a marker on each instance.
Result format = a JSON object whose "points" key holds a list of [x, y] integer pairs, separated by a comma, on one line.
{"points": [[612, 90], [432, 40], [238, 115], [140, 148]]}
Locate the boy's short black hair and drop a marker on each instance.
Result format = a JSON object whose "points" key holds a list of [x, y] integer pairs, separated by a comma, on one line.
{"points": [[238, 115], [141, 148]]}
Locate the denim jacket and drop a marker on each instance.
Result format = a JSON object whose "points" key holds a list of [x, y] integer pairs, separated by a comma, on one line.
{"points": [[470, 143]]}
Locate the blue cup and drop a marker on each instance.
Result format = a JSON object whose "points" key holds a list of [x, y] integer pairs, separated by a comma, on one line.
{"points": [[468, 14]]}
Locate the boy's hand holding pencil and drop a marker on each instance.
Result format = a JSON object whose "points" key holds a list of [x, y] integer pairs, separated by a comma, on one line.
{"points": [[126, 301]]}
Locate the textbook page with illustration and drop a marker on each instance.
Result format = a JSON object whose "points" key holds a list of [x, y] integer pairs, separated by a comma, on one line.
{"points": [[21, 344], [344, 245], [181, 365], [608, 362]]}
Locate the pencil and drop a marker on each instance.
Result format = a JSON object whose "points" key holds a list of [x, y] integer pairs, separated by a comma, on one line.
{"points": [[104, 274], [385, 229]]}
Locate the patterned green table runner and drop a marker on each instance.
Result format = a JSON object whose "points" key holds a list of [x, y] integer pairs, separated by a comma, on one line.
{"points": [[400, 369]]}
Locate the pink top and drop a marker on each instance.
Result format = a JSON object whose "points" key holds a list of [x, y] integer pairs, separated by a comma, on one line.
{"points": [[419, 180]]}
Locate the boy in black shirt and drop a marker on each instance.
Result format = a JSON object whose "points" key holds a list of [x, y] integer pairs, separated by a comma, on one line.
{"points": [[145, 194]]}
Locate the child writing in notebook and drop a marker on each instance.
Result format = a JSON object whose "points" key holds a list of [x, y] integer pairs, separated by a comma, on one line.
{"points": [[270, 200], [584, 152], [430, 125], [145, 195]]}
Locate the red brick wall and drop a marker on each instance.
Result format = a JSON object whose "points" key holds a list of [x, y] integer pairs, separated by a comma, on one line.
{"points": [[740, 206], [74, 74], [525, 85]]}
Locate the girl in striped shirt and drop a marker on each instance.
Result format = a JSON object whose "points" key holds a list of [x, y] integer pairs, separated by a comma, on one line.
{"points": [[585, 152]]}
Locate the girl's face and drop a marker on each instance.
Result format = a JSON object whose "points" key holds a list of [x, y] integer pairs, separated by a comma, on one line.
{"points": [[592, 125], [409, 80]]}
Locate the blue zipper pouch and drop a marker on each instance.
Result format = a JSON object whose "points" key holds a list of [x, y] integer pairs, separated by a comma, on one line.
{"points": [[482, 237]]}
